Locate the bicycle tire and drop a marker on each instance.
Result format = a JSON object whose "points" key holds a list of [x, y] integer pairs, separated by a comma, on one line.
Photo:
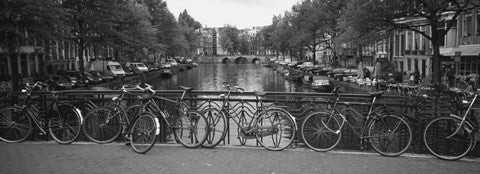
{"points": [[217, 125], [242, 122], [318, 131], [143, 132], [132, 112], [15, 125], [435, 138], [66, 126], [190, 129], [280, 124], [100, 120], [390, 124]]}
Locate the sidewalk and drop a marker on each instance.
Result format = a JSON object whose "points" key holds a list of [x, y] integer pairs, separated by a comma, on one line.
{"points": [[49, 157]]}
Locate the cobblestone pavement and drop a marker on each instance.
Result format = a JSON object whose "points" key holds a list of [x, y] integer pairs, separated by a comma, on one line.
{"points": [[48, 157]]}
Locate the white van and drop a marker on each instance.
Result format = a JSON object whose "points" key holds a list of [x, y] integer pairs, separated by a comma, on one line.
{"points": [[112, 68], [137, 66]]}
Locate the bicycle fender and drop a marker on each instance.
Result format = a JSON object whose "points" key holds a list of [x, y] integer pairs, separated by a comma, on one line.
{"points": [[77, 111], [157, 126]]}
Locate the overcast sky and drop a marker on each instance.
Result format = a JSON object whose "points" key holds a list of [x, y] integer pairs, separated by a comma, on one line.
{"points": [[239, 13]]}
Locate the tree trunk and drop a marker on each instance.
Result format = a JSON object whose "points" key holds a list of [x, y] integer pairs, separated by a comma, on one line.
{"points": [[81, 45], [436, 67]]}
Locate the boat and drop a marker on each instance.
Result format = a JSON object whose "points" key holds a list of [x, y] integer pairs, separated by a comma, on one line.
{"points": [[293, 76], [321, 84], [307, 80], [166, 73]]}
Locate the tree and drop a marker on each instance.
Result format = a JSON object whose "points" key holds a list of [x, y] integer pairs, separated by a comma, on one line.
{"points": [[385, 15], [42, 19], [93, 24], [169, 32], [189, 26], [229, 39], [244, 45], [315, 24]]}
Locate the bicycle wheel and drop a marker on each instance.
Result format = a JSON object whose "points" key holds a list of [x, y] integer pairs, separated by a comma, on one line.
{"points": [[15, 125], [144, 133], [132, 112], [275, 129], [321, 132], [101, 125], [242, 122], [437, 140], [190, 129], [390, 135], [65, 125], [217, 124]]}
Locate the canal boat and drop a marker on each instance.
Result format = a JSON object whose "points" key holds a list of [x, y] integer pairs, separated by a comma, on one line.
{"points": [[307, 80], [293, 76], [166, 73], [321, 84]]}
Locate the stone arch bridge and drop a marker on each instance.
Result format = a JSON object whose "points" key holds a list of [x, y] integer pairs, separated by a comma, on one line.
{"points": [[239, 59]]}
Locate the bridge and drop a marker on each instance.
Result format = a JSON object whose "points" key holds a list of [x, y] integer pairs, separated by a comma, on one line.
{"points": [[239, 59]]}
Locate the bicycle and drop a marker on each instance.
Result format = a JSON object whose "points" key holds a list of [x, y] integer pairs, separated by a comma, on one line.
{"points": [[189, 126], [273, 127], [62, 120], [452, 137], [388, 133], [105, 124]]}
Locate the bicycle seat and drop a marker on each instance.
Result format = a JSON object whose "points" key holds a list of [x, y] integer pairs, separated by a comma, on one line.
{"points": [[188, 89], [260, 93], [376, 94], [143, 97]]}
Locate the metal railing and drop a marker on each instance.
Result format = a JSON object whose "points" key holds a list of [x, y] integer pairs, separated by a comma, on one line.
{"points": [[417, 110]]}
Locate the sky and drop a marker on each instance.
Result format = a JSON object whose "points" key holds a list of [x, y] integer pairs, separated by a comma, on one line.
{"points": [[239, 13]]}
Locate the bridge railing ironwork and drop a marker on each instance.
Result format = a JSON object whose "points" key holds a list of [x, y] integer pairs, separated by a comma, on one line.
{"points": [[417, 110]]}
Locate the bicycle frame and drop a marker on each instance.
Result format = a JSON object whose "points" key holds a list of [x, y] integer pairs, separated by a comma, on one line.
{"points": [[464, 119], [226, 107], [35, 115], [344, 119], [151, 102]]}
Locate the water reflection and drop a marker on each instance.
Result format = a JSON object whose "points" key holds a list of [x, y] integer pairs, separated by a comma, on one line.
{"points": [[210, 77]]}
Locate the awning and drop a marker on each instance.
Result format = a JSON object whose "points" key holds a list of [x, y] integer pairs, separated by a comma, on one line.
{"points": [[466, 50]]}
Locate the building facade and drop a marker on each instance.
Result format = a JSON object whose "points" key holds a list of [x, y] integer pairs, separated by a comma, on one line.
{"points": [[459, 48]]}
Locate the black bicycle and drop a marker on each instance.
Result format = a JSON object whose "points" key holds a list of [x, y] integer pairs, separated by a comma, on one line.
{"points": [[388, 133], [62, 120]]}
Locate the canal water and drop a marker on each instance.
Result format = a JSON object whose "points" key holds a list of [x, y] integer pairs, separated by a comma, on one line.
{"points": [[210, 77]]}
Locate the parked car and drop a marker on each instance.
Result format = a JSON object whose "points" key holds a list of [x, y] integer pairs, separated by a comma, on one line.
{"points": [[93, 78], [80, 79], [128, 71], [305, 65], [137, 66], [172, 62], [55, 82], [105, 76]]}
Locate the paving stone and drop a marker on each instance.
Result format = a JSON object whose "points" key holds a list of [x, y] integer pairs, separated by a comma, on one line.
{"points": [[118, 158]]}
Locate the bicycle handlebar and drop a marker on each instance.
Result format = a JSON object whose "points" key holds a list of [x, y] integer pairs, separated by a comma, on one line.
{"points": [[29, 88]]}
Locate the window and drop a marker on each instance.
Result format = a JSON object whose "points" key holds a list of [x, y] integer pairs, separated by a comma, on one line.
{"points": [[409, 64], [402, 45], [415, 64], [416, 42], [478, 23], [467, 25], [396, 47]]}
